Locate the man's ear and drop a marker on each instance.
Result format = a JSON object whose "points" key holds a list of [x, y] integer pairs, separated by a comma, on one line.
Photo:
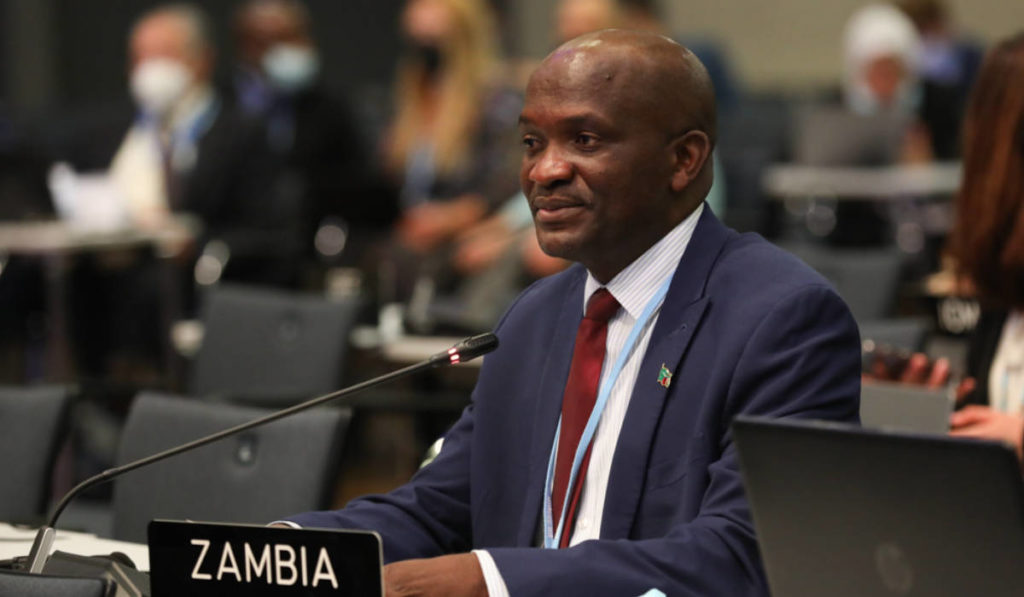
{"points": [[690, 150]]}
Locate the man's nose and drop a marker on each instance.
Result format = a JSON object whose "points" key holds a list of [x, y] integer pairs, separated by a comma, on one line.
{"points": [[550, 168]]}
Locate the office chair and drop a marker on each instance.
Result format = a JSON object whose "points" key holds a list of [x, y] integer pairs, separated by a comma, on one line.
{"points": [[268, 347], [867, 279], [32, 425], [258, 476], [22, 584]]}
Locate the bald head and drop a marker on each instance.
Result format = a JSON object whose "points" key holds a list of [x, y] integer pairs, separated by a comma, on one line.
{"points": [[179, 32], [617, 131], [185, 24], [661, 79]]}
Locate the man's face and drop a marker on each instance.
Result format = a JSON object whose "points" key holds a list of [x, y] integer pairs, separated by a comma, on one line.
{"points": [[263, 28], [596, 168], [885, 76]]}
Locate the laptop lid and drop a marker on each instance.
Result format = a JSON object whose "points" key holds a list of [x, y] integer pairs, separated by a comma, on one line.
{"points": [[827, 135], [843, 511], [903, 407], [226, 560]]}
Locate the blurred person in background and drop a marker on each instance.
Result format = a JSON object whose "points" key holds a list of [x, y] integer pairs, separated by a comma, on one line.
{"points": [[872, 123], [184, 151], [881, 53], [987, 246], [320, 151], [187, 151], [574, 18], [450, 143], [645, 15], [948, 65]]}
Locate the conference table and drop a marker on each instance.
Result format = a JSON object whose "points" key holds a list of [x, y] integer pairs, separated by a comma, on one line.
{"points": [[845, 183], [916, 197], [17, 541], [56, 243]]}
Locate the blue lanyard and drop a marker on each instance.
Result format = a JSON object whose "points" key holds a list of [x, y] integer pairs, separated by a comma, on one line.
{"points": [[182, 143], [552, 536]]}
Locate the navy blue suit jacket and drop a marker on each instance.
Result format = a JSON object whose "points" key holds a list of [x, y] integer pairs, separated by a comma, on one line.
{"points": [[745, 329]]}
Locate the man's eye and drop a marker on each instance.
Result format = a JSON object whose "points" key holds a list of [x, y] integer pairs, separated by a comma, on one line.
{"points": [[586, 140], [530, 142]]}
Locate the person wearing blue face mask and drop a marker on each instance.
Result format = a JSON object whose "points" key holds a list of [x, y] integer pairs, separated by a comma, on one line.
{"points": [[320, 158]]}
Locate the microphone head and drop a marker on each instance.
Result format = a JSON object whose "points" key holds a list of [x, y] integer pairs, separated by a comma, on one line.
{"points": [[468, 349]]}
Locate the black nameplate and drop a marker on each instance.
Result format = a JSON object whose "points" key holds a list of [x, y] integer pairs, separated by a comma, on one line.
{"points": [[228, 560]]}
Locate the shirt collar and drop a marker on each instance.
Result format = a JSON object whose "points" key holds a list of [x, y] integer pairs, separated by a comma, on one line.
{"points": [[634, 286]]}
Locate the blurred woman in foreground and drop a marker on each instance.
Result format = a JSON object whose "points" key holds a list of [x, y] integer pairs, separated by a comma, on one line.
{"points": [[987, 244]]}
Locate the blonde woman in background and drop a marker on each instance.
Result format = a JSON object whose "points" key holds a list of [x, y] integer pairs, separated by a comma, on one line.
{"points": [[451, 143]]}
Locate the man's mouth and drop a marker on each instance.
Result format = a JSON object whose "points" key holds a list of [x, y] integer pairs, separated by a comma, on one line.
{"points": [[552, 210]]}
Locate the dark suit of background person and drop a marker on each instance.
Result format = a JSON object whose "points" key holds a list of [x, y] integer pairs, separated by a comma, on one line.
{"points": [[320, 155], [949, 63], [744, 329]]}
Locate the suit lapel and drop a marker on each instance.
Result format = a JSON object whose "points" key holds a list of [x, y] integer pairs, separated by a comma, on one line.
{"points": [[680, 315], [554, 373]]}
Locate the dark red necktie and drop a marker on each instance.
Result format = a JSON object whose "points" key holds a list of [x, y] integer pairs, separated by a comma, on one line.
{"points": [[578, 402]]}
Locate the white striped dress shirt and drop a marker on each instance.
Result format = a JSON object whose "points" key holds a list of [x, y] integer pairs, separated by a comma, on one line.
{"points": [[633, 287]]}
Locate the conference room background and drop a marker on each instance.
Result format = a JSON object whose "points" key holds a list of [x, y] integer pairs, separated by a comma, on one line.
{"points": [[62, 52]]}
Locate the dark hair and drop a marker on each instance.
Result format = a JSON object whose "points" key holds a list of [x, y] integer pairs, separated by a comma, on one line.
{"points": [[987, 241], [925, 13]]}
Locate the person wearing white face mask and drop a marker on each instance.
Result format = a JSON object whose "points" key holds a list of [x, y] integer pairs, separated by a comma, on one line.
{"points": [[170, 64], [158, 83], [310, 128], [185, 151], [181, 151]]}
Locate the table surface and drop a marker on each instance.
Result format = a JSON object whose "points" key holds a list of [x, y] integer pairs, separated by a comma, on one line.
{"points": [[785, 181], [55, 236], [17, 541]]}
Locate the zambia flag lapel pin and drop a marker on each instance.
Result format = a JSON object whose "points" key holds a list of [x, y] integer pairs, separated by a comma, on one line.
{"points": [[664, 376]]}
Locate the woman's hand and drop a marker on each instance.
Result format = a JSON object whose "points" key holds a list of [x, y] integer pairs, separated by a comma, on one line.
{"points": [[984, 422]]}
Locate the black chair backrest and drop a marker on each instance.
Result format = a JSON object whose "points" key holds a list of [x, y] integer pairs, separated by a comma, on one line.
{"points": [[261, 475], [867, 279], [269, 347], [32, 422], [21, 584]]}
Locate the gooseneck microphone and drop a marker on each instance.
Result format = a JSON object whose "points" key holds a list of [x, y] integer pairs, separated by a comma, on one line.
{"points": [[464, 351]]}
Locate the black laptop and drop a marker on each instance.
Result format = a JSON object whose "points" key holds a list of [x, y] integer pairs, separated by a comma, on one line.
{"points": [[844, 512]]}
